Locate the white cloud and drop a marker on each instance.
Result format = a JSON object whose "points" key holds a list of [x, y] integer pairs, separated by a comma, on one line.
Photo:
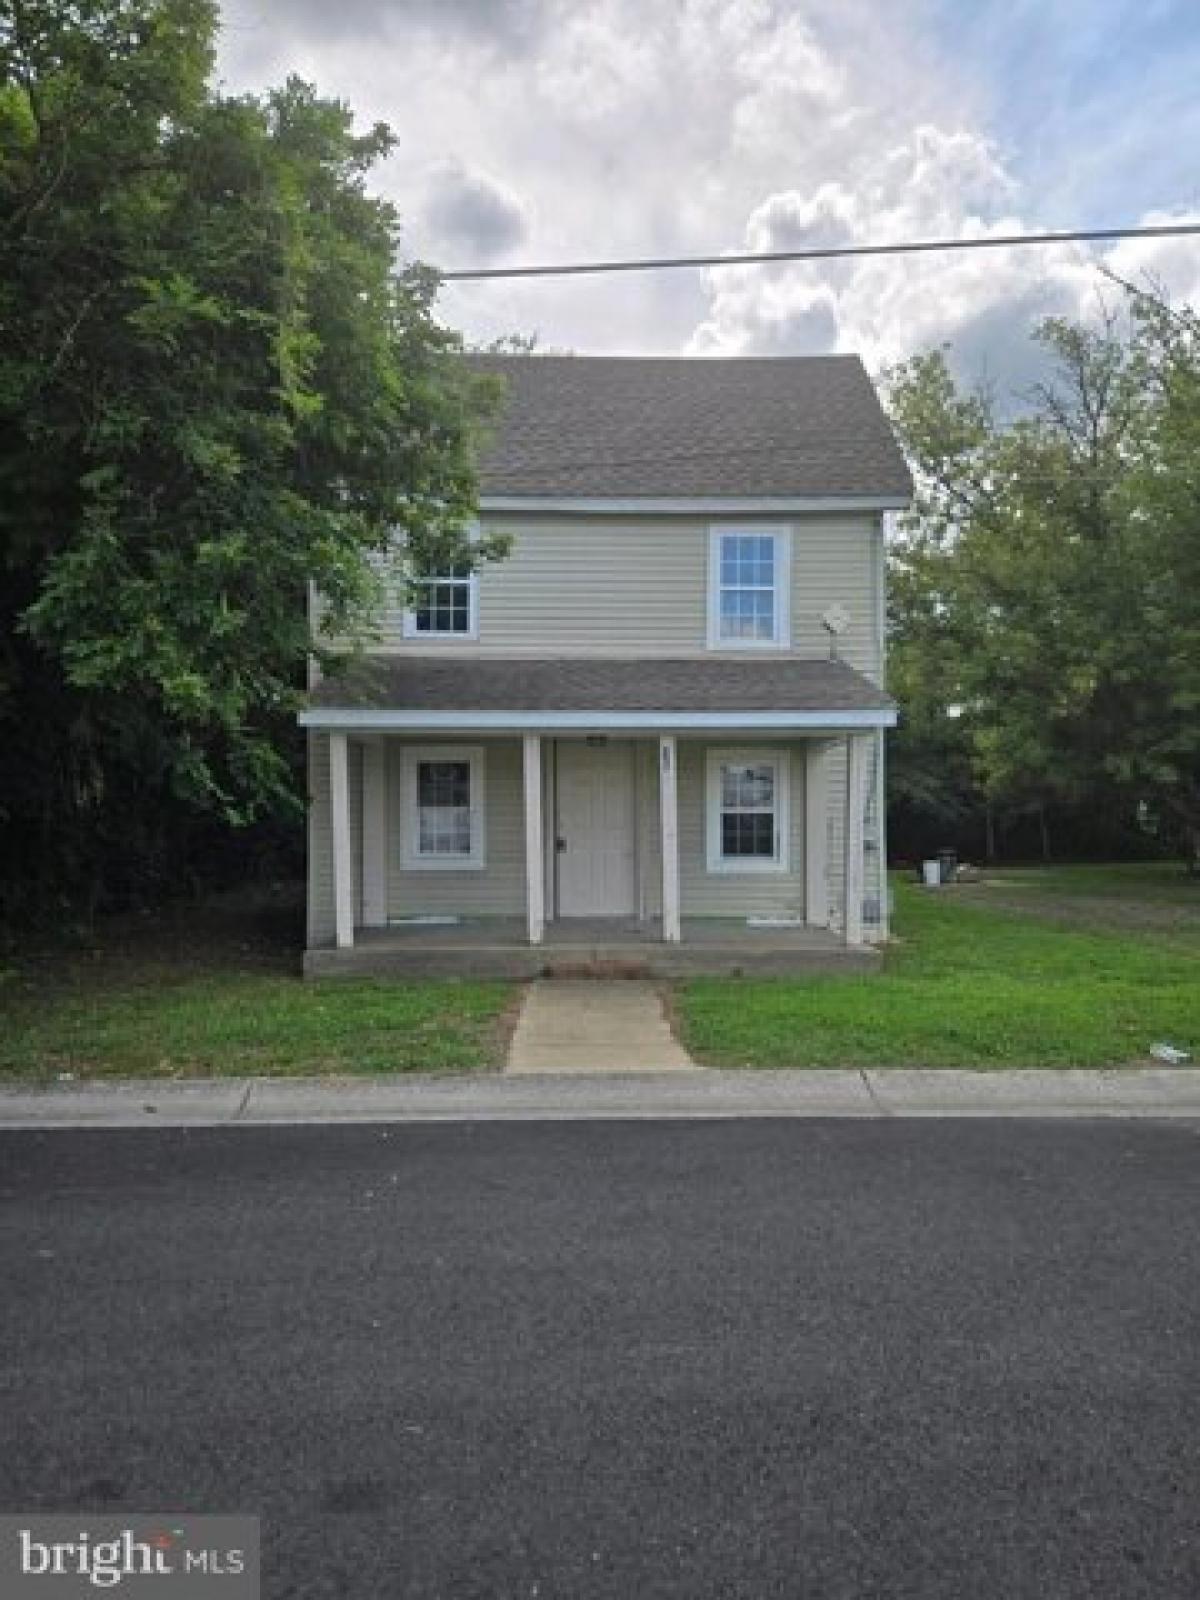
{"points": [[984, 303], [936, 183], [602, 128]]}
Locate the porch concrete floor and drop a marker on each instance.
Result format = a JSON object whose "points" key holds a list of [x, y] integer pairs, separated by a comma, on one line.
{"points": [[582, 1026], [588, 947]]}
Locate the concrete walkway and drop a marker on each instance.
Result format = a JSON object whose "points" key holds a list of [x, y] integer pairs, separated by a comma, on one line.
{"points": [[941, 1092], [584, 1025]]}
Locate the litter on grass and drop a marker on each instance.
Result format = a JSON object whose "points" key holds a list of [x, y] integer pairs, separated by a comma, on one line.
{"points": [[1171, 1054]]}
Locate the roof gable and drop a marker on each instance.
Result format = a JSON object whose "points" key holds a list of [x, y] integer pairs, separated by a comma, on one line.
{"points": [[628, 427]]}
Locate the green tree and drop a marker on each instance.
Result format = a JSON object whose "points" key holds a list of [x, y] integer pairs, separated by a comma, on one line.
{"points": [[933, 793], [1162, 638], [1055, 594], [217, 390]]}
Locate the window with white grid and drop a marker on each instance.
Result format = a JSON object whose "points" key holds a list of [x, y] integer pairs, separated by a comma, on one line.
{"points": [[447, 606], [748, 587], [747, 811], [443, 803]]}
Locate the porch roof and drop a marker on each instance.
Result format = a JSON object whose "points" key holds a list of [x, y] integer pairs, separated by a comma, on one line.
{"points": [[421, 692]]}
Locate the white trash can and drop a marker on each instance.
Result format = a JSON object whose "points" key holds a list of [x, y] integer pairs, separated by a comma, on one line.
{"points": [[932, 873]]}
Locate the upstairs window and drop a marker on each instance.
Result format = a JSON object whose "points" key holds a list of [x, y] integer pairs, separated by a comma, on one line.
{"points": [[748, 588], [447, 606]]}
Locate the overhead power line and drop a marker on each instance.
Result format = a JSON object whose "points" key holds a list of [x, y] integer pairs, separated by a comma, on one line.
{"points": [[578, 269]]}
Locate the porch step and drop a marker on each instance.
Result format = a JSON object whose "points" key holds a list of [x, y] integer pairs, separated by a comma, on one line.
{"points": [[597, 966], [413, 959]]}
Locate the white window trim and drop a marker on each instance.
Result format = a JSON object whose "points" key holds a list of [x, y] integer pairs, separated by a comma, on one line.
{"points": [[408, 622], [782, 632], [411, 755], [738, 866], [411, 631]]}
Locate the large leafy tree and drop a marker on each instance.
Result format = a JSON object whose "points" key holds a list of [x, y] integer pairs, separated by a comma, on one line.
{"points": [[1163, 636], [1054, 558], [934, 796], [218, 391]]}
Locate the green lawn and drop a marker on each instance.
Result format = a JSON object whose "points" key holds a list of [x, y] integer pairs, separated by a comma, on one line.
{"points": [[230, 1026], [215, 992], [971, 984], [1070, 967], [1156, 882], [226, 1025]]}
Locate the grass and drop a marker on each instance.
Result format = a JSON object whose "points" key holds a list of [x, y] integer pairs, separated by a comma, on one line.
{"points": [[1158, 882], [966, 984], [1064, 967], [231, 1026], [215, 994]]}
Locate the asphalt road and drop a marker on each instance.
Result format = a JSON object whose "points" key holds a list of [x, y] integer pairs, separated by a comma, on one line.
{"points": [[804, 1359]]}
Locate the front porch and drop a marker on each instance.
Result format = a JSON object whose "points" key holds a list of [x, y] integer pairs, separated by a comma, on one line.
{"points": [[498, 947], [517, 817]]}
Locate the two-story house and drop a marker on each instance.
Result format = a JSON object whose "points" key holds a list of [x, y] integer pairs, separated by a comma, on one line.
{"points": [[659, 722]]}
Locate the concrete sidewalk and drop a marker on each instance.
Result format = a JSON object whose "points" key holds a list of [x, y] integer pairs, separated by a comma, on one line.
{"points": [[1150, 1092], [581, 1026]]}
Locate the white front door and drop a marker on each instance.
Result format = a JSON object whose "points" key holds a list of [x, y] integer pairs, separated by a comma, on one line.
{"points": [[595, 829]]}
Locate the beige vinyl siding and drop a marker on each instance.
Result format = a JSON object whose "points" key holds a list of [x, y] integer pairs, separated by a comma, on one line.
{"points": [[649, 826], [874, 871], [627, 586], [320, 844], [498, 888], [634, 586], [726, 894], [717, 894]]}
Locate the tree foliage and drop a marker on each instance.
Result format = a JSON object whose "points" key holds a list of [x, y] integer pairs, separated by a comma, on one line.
{"points": [[217, 390], [1046, 587]]}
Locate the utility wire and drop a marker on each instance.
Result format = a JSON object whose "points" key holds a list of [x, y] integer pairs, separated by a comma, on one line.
{"points": [[576, 269]]}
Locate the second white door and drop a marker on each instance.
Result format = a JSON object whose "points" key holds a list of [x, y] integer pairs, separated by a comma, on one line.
{"points": [[595, 829]]}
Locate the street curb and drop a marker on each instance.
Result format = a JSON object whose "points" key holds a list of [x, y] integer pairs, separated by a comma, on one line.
{"points": [[678, 1094]]}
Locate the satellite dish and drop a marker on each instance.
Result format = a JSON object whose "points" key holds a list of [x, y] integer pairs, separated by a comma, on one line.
{"points": [[835, 621]]}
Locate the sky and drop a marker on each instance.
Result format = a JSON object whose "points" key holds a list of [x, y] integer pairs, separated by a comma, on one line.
{"points": [[537, 131]]}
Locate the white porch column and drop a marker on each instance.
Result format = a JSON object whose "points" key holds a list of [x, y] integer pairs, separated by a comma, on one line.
{"points": [[668, 801], [816, 833], [881, 833], [535, 869], [374, 837], [857, 750], [339, 812]]}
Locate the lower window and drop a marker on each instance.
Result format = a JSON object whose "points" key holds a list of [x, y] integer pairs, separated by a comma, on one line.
{"points": [[442, 807], [747, 806]]}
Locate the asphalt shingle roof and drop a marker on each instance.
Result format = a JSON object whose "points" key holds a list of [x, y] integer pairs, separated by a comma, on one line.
{"points": [[634, 427], [420, 683]]}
